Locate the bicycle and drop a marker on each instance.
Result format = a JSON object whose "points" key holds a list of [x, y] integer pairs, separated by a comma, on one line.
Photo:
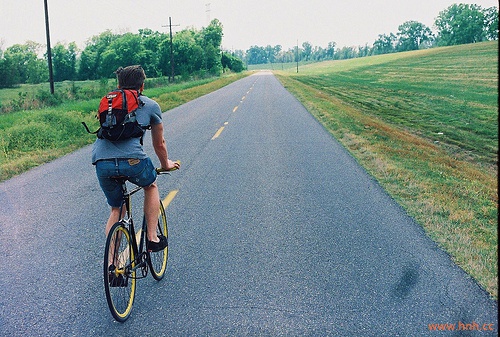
{"points": [[126, 258]]}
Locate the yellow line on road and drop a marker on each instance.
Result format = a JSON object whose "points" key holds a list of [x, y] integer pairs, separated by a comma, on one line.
{"points": [[168, 199], [137, 238], [235, 108], [217, 134]]}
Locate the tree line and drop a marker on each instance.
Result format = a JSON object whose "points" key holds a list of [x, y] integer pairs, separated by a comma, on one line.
{"points": [[198, 52], [458, 24], [194, 52]]}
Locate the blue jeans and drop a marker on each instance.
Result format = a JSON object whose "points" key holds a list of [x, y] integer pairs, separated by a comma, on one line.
{"points": [[140, 172]]}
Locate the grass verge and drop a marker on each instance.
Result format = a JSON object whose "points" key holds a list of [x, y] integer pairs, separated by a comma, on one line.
{"points": [[425, 125], [31, 138]]}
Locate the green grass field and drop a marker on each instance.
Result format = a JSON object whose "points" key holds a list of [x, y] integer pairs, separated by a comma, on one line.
{"points": [[425, 125]]}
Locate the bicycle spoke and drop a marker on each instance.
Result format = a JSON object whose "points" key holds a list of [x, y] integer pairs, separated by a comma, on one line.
{"points": [[119, 272]]}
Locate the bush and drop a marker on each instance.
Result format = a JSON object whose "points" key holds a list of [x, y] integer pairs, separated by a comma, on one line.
{"points": [[232, 63], [43, 130], [22, 138]]}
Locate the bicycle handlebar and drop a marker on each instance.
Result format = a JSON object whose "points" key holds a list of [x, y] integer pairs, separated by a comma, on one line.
{"points": [[161, 170]]}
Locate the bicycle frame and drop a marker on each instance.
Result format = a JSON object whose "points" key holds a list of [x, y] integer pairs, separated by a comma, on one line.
{"points": [[140, 254], [126, 253]]}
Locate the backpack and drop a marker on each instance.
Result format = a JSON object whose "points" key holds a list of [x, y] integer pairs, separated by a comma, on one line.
{"points": [[117, 116]]}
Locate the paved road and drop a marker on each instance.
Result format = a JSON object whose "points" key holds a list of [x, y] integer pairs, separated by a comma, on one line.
{"points": [[275, 231]]}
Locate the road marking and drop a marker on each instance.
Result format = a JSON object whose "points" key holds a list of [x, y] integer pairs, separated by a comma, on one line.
{"points": [[235, 108], [137, 238], [217, 134], [122, 259], [165, 202], [169, 198]]}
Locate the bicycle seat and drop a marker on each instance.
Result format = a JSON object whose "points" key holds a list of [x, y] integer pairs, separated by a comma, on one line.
{"points": [[120, 178]]}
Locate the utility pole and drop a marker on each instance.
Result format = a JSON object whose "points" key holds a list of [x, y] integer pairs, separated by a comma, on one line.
{"points": [[49, 51], [297, 56], [207, 10], [172, 71]]}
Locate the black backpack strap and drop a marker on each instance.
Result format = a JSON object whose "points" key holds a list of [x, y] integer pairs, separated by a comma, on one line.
{"points": [[139, 100], [140, 103], [124, 100], [87, 128]]}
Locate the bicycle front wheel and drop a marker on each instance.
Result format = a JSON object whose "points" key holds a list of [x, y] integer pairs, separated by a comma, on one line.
{"points": [[158, 260], [119, 272]]}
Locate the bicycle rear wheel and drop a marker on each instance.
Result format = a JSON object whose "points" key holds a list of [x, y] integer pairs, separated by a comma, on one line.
{"points": [[158, 260], [119, 272]]}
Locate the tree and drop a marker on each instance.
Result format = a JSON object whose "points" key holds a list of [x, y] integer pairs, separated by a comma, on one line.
{"points": [[153, 43], [318, 54], [212, 35], [491, 23], [88, 65], [239, 54], [384, 44], [330, 50], [195, 51], [90, 59], [124, 51], [289, 55], [411, 35], [257, 55], [212, 59], [211, 43], [307, 50], [22, 65], [346, 53], [188, 54], [460, 24], [64, 61], [277, 53], [231, 62], [364, 51], [8, 73]]}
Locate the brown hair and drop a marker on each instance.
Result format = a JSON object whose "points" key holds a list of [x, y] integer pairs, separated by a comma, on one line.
{"points": [[131, 77]]}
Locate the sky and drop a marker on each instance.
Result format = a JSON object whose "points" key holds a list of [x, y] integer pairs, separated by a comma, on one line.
{"points": [[245, 23]]}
